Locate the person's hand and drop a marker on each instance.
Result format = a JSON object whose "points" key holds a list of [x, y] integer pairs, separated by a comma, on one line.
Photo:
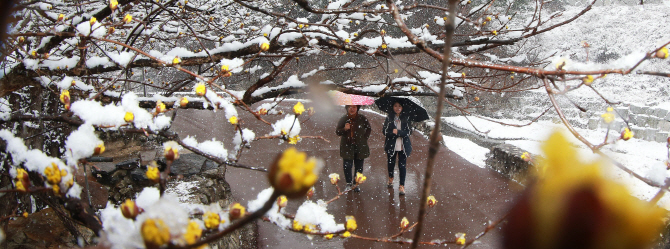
{"points": [[395, 131], [347, 126]]}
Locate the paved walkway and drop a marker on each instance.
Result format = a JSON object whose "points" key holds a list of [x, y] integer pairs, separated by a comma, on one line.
{"points": [[468, 196]]}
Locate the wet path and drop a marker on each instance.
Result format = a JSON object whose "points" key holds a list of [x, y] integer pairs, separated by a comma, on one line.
{"points": [[468, 196]]}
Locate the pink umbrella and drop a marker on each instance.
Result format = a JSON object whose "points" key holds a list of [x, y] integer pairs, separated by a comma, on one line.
{"points": [[351, 99]]}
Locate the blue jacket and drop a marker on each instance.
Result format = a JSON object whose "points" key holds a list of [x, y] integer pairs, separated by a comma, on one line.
{"points": [[404, 132]]}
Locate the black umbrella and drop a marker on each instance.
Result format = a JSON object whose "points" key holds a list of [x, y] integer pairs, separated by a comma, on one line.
{"points": [[411, 107]]}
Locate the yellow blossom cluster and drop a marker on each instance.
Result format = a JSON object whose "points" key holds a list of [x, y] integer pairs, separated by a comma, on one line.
{"points": [[193, 233], [54, 177], [155, 233], [360, 178], [153, 174], [22, 182], [293, 174], [608, 116], [298, 108], [350, 225], [212, 220]]}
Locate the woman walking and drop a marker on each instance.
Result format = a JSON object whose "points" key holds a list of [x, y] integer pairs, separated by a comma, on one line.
{"points": [[397, 144], [354, 130]]}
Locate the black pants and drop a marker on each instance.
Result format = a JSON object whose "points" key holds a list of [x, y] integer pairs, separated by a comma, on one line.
{"points": [[358, 163], [402, 164]]}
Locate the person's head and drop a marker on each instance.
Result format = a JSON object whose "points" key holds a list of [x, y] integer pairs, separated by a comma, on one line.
{"points": [[397, 108], [352, 109]]}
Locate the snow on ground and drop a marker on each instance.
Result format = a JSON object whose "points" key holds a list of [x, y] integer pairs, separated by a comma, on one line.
{"points": [[642, 157]]}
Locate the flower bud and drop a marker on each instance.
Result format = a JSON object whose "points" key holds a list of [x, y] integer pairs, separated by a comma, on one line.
{"points": [[431, 201], [351, 223], [334, 178], [153, 174], [404, 223], [282, 201], [155, 233], [129, 117], [183, 102], [298, 108], [236, 211], [200, 89], [99, 149], [129, 209], [310, 193], [626, 134], [160, 106]]}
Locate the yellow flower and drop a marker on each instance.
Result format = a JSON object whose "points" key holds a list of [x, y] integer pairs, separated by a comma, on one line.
{"points": [[200, 89], [293, 174], [494, 32], [608, 117], [298, 108], [460, 239], [463, 74], [297, 226], [183, 102], [113, 4], [587, 80], [328, 236], [431, 201], [25, 214], [155, 233], [61, 17], [309, 228], [193, 232], [129, 117], [282, 201], [384, 46], [568, 189], [160, 106], [128, 18], [153, 174], [626, 134], [355, 34], [283, 132], [334, 178], [65, 97], [212, 220], [383, 32], [484, 23], [99, 149], [293, 140], [404, 223], [22, 39], [53, 174], [20, 187], [662, 53], [233, 120], [33, 53], [310, 193], [21, 174], [360, 178], [346, 234], [129, 209], [525, 156], [176, 60], [351, 223], [413, 88], [265, 46], [236, 211], [488, 18], [93, 21], [300, 25]]}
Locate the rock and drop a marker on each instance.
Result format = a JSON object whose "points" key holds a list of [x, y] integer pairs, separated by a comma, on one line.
{"points": [[44, 229], [189, 164], [506, 159], [593, 123]]}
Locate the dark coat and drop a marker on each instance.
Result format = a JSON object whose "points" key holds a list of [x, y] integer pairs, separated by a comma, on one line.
{"points": [[404, 132], [350, 146]]}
